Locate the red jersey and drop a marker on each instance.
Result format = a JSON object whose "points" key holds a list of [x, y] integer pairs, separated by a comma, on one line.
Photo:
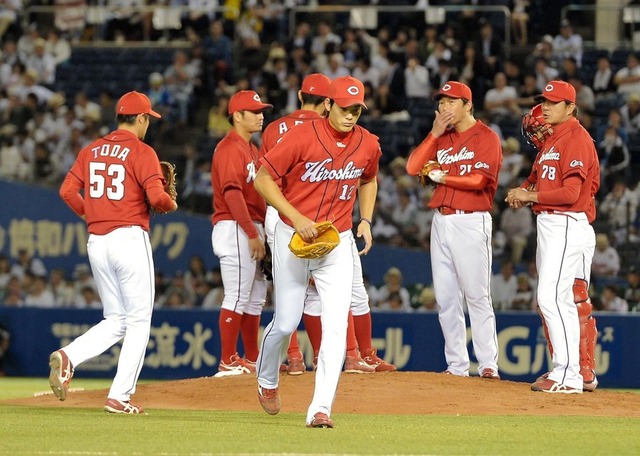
{"points": [[235, 165], [276, 129], [476, 150], [115, 171], [567, 152], [322, 168]]}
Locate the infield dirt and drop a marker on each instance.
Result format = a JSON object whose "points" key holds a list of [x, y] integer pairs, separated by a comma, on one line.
{"points": [[380, 393]]}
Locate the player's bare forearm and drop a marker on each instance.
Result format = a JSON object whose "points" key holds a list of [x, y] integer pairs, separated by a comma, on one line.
{"points": [[269, 190], [367, 193]]}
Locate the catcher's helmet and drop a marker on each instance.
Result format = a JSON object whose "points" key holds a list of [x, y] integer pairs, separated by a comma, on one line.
{"points": [[534, 128]]}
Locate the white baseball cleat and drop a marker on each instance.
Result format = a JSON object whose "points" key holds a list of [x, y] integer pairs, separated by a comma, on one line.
{"points": [[60, 374]]}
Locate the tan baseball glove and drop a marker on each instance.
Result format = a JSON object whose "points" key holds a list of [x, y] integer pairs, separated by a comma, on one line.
{"points": [[423, 175], [169, 173], [327, 239]]}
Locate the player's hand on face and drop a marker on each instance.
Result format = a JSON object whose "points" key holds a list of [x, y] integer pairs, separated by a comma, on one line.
{"points": [[257, 248], [441, 123], [364, 231]]}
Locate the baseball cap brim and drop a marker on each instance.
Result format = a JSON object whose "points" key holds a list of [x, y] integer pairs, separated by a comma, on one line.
{"points": [[550, 97], [346, 102]]}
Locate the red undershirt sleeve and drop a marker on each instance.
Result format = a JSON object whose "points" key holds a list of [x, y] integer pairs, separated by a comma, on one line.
{"points": [[238, 208], [69, 192], [425, 151], [567, 194], [474, 181], [158, 198]]}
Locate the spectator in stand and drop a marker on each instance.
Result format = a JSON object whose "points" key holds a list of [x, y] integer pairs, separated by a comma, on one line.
{"points": [[512, 163], [520, 21], [632, 290], [26, 41], [335, 66], [393, 295], [501, 101], [524, 297], [42, 62], [40, 295], [585, 98], [218, 123], [5, 271], [517, 225], [615, 121], [365, 72], [416, 82], [181, 79], [619, 208], [612, 302], [614, 159], [301, 38], [13, 295], [446, 72], [84, 108], [491, 51], [630, 113], [567, 44], [544, 73], [606, 261], [57, 47], [27, 263], [513, 73], [527, 93], [427, 300], [386, 106], [470, 68], [569, 69], [324, 35], [603, 78], [440, 52], [30, 86], [427, 42], [627, 79], [87, 299], [9, 10], [63, 291], [504, 286], [218, 52]]}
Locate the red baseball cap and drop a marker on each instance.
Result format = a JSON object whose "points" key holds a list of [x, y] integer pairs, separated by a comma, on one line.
{"points": [[347, 91], [558, 91], [247, 100], [454, 89], [316, 84], [134, 103]]}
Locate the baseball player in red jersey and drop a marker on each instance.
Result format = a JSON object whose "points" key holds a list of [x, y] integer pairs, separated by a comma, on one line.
{"points": [[238, 233], [536, 130], [322, 166], [120, 177], [313, 92], [564, 180], [470, 157]]}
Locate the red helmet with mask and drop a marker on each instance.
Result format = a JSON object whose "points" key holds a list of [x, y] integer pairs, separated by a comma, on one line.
{"points": [[534, 128]]}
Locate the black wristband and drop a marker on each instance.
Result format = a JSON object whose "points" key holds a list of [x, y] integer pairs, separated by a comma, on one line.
{"points": [[363, 219]]}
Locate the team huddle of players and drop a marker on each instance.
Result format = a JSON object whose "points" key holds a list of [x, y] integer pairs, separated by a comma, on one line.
{"points": [[314, 165]]}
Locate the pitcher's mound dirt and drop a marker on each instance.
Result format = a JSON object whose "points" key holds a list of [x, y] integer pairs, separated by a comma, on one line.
{"points": [[380, 393]]}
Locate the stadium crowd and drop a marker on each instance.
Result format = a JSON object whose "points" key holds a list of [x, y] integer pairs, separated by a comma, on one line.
{"points": [[402, 62]]}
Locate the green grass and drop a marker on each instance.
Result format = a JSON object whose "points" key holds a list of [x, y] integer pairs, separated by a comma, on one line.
{"points": [[77, 431]]}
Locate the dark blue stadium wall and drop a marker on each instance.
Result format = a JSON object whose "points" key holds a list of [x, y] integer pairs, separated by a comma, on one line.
{"points": [[36, 219]]}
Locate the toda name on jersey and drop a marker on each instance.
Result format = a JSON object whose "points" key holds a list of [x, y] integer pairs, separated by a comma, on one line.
{"points": [[111, 150], [317, 172]]}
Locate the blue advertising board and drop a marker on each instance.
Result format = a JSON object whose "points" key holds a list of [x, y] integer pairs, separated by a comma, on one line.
{"points": [[186, 344]]}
